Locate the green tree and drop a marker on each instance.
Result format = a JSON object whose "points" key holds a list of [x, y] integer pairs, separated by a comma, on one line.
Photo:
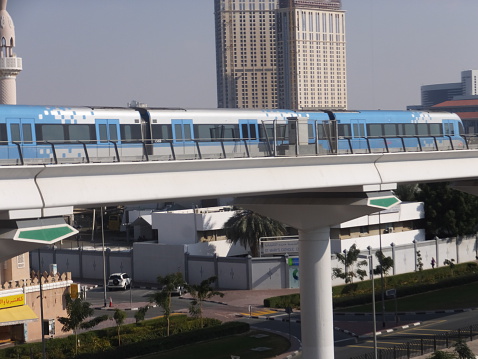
{"points": [[246, 227], [463, 351], [201, 292], [352, 266], [168, 284], [78, 311], [442, 355], [448, 212], [384, 263], [119, 317], [141, 313], [407, 192]]}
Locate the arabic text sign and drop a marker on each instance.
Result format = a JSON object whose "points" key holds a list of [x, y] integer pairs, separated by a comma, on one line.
{"points": [[12, 300]]}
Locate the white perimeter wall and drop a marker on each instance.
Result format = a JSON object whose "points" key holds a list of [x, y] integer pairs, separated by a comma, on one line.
{"points": [[148, 260]]}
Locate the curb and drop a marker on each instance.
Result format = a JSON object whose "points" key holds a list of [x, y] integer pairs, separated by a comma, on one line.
{"points": [[413, 313], [390, 330], [129, 308]]}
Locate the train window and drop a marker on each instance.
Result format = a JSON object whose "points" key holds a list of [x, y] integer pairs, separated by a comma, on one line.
{"points": [[344, 130], [131, 132], [229, 132], [27, 133], [182, 133], [375, 130], [449, 130], [162, 132], [213, 132], [50, 132], [410, 129], [321, 131], [390, 130], [435, 129], [359, 129], [249, 131], [81, 132], [422, 129], [3, 134], [282, 131], [113, 132]]}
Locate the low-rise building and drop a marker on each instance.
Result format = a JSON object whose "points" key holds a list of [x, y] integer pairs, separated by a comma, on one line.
{"points": [[21, 304]]}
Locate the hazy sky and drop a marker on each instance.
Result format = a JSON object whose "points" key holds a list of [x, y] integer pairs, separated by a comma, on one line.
{"points": [[162, 52]]}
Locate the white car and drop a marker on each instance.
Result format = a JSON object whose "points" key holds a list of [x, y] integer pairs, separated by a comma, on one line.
{"points": [[177, 290], [118, 281]]}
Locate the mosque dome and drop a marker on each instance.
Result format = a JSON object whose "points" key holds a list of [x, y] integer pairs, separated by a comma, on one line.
{"points": [[7, 29]]}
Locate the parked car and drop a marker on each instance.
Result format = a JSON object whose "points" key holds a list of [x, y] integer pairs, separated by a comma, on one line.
{"points": [[119, 281], [177, 290]]}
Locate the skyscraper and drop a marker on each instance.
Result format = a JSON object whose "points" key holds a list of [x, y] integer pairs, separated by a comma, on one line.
{"points": [[246, 53], [281, 54], [311, 54]]}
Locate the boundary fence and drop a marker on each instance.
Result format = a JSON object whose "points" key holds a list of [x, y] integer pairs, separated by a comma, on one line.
{"points": [[423, 346]]}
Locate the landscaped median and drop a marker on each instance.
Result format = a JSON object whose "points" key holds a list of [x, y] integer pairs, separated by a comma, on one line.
{"points": [[360, 293], [136, 339]]}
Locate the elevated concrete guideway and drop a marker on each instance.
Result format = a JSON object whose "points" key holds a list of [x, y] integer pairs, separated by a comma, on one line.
{"points": [[48, 190]]}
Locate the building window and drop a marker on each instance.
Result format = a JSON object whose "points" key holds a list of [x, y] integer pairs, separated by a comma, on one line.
{"points": [[21, 261]]}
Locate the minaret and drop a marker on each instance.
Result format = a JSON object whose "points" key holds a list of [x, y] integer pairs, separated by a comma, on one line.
{"points": [[10, 64]]}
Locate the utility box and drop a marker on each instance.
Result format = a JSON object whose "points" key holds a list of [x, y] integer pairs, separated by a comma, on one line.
{"points": [[298, 130]]}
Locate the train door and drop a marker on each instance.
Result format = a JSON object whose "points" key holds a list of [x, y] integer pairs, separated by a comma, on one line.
{"points": [[107, 134], [449, 127], [182, 131], [358, 134], [249, 130], [107, 131], [21, 131]]}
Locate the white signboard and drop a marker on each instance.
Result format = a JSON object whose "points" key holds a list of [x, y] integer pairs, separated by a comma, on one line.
{"points": [[289, 246]]}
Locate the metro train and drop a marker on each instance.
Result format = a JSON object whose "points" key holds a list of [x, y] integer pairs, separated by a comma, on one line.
{"points": [[50, 134]]}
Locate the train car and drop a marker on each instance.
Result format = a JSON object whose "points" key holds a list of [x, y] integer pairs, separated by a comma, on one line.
{"points": [[49, 134]]}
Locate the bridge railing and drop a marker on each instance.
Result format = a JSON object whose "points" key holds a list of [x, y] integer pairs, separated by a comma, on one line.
{"points": [[74, 152]]}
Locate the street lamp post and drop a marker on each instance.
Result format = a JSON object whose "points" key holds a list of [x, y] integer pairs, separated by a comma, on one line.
{"points": [[370, 262], [104, 260]]}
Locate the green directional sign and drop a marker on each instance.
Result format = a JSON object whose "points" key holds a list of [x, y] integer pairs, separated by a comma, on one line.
{"points": [[45, 234], [383, 202]]}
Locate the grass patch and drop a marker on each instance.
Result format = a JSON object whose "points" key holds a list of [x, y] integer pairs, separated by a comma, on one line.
{"points": [[239, 345], [460, 297]]}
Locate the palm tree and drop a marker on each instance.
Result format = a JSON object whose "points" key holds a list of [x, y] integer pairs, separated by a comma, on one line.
{"points": [[168, 284], [78, 311], [246, 227], [201, 292]]}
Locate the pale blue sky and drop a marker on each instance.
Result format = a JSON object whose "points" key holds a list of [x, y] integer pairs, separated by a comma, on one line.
{"points": [[162, 52]]}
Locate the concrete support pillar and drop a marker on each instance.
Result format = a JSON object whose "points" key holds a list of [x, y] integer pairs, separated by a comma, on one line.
{"points": [[316, 296], [313, 214]]}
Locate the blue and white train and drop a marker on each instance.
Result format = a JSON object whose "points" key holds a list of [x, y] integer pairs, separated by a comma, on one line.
{"points": [[45, 134]]}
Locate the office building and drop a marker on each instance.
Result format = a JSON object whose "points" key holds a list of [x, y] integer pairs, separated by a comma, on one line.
{"points": [[464, 90], [246, 53], [311, 55], [281, 54]]}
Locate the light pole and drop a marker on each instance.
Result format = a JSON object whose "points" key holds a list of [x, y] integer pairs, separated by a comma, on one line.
{"points": [[370, 262], [41, 307], [104, 260]]}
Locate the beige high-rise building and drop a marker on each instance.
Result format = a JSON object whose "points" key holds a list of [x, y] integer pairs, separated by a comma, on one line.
{"points": [[311, 55], [281, 54], [246, 53]]}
